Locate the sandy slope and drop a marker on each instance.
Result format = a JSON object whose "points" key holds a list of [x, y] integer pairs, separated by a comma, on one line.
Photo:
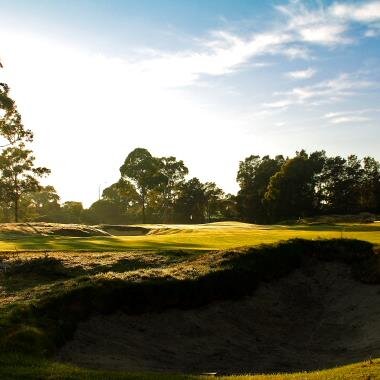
{"points": [[317, 317]]}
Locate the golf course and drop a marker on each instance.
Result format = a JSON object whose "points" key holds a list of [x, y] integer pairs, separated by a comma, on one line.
{"points": [[210, 236], [189, 190], [292, 301]]}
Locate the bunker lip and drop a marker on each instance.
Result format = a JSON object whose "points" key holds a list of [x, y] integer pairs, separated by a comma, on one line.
{"points": [[316, 317], [124, 230]]}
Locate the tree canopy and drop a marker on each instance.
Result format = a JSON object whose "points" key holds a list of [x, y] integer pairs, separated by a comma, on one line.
{"points": [[306, 184], [19, 175]]}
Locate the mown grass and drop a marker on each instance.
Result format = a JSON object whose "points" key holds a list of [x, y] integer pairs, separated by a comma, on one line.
{"points": [[195, 237]]}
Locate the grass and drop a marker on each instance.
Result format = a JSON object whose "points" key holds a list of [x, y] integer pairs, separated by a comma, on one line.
{"points": [[194, 237], [43, 295], [16, 367]]}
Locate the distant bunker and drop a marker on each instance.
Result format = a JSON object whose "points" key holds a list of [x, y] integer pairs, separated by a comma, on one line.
{"points": [[318, 316], [124, 230]]}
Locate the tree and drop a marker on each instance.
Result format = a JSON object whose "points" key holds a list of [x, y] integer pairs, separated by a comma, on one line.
{"points": [[19, 176], [119, 203], [143, 170], [317, 161], [104, 211], [41, 205], [6, 103], [228, 207], [341, 180], [72, 212], [123, 194], [353, 181], [214, 198], [253, 177], [370, 185], [290, 192], [11, 128], [173, 174], [191, 202]]}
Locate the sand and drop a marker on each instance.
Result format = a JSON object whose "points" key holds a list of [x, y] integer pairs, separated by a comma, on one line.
{"points": [[317, 317]]}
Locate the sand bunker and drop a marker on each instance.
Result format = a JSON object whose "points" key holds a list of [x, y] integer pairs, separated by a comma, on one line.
{"points": [[317, 317], [123, 230]]}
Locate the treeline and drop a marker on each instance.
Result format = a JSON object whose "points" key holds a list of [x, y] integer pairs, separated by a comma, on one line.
{"points": [[274, 189], [150, 189], [155, 190]]}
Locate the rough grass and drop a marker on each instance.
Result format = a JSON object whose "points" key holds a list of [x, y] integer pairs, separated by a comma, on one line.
{"points": [[195, 237]]}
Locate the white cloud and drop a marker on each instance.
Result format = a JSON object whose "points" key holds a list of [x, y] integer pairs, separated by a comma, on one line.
{"points": [[313, 25], [218, 56], [360, 12], [372, 32], [354, 116], [349, 119], [329, 25], [279, 104], [224, 52], [324, 34], [301, 74], [296, 52], [326, 91]]}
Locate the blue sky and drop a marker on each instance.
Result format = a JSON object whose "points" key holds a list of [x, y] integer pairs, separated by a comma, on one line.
{"points": [[210, 82]]}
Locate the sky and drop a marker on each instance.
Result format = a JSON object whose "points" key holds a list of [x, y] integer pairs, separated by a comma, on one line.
{"points": [[207, 81]]}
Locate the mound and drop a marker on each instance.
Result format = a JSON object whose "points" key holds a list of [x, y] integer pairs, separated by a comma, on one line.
{"points": [[316, 317], [43, 229]]}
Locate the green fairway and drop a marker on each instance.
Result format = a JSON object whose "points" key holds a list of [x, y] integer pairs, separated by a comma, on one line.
{"points": [[195, 237]]}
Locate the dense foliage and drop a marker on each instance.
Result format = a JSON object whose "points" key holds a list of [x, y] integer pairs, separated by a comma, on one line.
{"points": [[305, 185], [156, 190], [150, 189]]}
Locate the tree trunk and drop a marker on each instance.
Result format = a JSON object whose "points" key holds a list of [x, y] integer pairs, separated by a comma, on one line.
{"points": [[16, 210], [143, 206]]}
